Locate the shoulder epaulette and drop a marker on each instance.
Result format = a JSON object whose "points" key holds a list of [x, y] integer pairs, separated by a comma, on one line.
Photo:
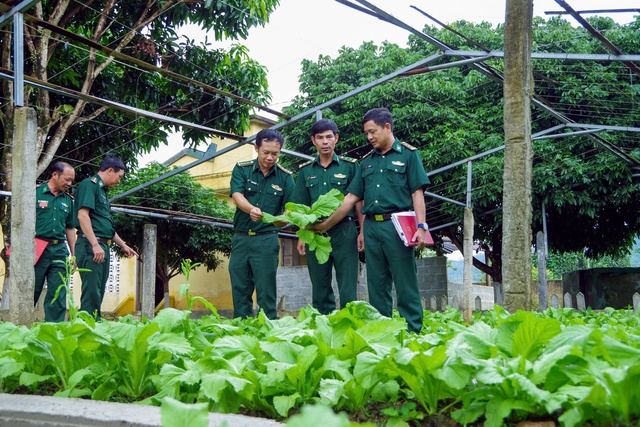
{"points": [[307, 163], [367, 154], [245, 163], [408, 146], [283, 169], [348, 159]]}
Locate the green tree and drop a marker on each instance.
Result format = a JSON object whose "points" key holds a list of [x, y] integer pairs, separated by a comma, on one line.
{"points": [[456, 113], [82, 132], [203, 244]]}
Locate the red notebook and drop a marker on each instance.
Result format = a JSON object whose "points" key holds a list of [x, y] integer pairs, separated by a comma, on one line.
{"points": [[406, 226], [40, 247]]}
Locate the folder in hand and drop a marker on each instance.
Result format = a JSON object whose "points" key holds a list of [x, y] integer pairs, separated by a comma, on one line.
{"points": [[40, 247], [406, 225]]}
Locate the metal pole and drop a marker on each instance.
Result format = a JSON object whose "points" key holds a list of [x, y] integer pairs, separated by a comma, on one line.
{"points": [[18, 60]]}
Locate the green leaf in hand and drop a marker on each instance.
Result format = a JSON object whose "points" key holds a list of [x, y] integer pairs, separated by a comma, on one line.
{"points": [[302, 218], [303, 215], [317, 242], [327, 203], [266, 217]]}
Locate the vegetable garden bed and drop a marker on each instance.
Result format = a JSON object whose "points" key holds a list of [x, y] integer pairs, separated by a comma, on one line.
{"points": [[570, 367]]}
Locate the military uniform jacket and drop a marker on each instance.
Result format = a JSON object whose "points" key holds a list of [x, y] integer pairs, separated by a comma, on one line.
{"points": [[386, 182], [314, 180], [269, 193], [93, 194], [54, 214]]}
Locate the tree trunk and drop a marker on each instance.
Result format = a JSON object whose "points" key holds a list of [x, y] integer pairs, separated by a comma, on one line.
{"points": [[518, 87]]}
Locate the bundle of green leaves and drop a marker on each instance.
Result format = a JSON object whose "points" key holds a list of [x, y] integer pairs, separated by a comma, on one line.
{"points": [[303, 215]]}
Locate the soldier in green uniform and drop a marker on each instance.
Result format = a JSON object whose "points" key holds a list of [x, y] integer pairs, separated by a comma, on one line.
{"points": [[391, 179], [96, 233], [256, 186], [54, 224], [317, 177]]}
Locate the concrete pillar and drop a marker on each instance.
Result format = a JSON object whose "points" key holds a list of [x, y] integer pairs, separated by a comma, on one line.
{"points": [[149, 243], [23, 217], [518, 156]]}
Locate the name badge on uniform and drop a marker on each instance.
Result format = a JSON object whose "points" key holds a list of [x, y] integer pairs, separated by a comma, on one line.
{"points": [[397, 163], [339, 175], [43, 204]]}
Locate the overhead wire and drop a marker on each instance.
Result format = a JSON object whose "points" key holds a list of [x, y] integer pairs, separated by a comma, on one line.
{"points": [[401, 125]]}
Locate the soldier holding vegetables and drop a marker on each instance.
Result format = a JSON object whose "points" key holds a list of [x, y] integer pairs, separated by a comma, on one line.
{"points": [[391, 179], [317, 177], [256, 186]]}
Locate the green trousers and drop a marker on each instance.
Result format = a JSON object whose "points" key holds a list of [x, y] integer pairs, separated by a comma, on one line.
{"points": [[50, 269], [94, 281], [253, 265], [390, 262], [344, 258]]}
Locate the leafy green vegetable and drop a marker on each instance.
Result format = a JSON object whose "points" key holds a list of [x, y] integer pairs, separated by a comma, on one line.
{"points": [[177, 414], [303, 215], [574, 367]]}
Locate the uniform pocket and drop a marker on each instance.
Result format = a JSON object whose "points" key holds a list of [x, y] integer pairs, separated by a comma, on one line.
{"points": [[396, 175], [273, 199], [339, 182], [312, 181]]}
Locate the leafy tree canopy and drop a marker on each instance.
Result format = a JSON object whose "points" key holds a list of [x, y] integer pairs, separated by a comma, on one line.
{"points": [[455, 113], [83, 133], [176, 240]]}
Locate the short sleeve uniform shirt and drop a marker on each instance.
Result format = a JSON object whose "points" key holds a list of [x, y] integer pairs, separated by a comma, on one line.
{"points": [[314, 180], [269, 193], [94, 194], [387, 181], [54, 214]]}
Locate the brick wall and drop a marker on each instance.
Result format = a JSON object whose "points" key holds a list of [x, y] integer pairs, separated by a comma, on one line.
{"points": [[294, 287]]}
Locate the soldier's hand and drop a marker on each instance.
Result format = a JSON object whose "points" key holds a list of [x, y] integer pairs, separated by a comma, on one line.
{"points": [[420, 237], [129, 252], [98, 253], [319, 227], [255, 214], [302, 247]]}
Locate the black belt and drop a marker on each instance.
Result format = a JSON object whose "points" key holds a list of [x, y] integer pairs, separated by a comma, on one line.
{"points": [[379, 217], [101, 239], [52, 241], [255, 233]]}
